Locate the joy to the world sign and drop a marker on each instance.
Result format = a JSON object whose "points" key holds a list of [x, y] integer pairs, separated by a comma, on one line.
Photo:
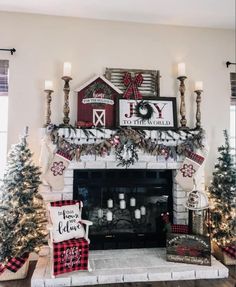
{"points": [[156, 113]]}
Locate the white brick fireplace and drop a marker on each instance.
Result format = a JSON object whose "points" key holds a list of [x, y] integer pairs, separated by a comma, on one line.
{"points": [[126, 265], [146, 161]]}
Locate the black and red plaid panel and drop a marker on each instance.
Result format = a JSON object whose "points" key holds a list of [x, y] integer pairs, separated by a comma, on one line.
{"points": [[14, 264], [64, 202], [195, 157], [230, 251], [2, 268], [70, 255], [179, 228]]}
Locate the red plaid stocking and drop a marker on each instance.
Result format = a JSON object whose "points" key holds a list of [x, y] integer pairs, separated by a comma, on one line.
{"points": [[188, 170], [55, 174]]}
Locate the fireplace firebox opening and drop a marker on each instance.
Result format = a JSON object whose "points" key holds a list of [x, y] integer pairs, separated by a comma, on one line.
{"points": [[125, 206]]}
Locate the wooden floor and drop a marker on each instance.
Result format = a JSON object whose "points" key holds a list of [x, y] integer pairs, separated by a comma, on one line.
{"points": [[230, 282]]}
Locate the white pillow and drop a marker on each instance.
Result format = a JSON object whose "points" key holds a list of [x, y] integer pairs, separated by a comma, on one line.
{"points": [[66, 222]]}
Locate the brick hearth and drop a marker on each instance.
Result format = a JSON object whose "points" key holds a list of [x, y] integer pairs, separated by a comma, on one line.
{"points": [[127, 265]]}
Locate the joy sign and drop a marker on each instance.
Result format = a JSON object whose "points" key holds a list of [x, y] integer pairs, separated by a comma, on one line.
{"points": [[163, 115]]}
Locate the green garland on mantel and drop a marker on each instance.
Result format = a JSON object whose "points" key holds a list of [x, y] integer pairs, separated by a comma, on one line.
{"points": [[126, 142]]}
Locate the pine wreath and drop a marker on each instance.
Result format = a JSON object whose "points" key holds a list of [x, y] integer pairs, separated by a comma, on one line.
{"points": [[98, 87], [126, 155], [144, 110]]}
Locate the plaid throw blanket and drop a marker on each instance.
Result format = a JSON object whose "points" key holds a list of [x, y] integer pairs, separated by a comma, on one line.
{"points": [[64, 202], [14, 264], [70, 255], [230, 250]]}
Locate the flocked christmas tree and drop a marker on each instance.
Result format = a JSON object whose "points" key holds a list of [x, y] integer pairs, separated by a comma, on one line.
{"points": [[222, 197], [22, 214]]}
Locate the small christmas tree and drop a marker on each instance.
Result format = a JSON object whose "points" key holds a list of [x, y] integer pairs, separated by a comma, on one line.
{"points": [[222, 197], [22, 214]]}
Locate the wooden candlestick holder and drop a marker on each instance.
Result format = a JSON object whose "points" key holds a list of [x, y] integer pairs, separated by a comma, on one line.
{"points": [[198, 111], [66, 109], [183, 121], [48, 107]]}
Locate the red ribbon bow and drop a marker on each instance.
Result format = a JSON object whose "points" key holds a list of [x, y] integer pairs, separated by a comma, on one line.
{"points": [[132, 86]]}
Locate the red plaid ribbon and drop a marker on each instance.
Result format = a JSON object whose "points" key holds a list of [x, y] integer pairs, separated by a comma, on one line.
{"points": [[230, 250], [70, 255], [14, 264], [65, 202], [132, 86], [179, 228]]}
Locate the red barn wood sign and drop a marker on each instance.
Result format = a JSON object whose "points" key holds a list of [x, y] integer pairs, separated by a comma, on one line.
{"points": [[96, 103]]}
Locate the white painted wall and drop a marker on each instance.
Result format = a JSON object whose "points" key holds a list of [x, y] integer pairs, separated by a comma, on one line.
{"points": [[43, 43]]}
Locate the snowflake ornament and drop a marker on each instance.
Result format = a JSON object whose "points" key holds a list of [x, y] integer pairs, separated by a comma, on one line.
{"points": [[187, 170], [58, 168]]}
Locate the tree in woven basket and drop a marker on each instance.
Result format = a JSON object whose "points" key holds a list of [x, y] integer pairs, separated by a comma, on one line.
{"points": [[222, 197], [22, 214]]}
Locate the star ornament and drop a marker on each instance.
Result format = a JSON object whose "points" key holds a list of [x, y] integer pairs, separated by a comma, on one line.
{"points": [[187, 170], [58, 168]]}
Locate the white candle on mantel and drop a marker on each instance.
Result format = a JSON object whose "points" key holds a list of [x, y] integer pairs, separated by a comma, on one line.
{"points": [[181, 70], [121, 196], [110, 203], [122, 204], [132, 201], [67, 69], [48, 85], [100, 213], [198, 86], [137, 213], [143, 210], [109, 215]]}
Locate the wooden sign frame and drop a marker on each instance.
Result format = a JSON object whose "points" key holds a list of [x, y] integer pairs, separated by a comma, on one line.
{"points": [[187, 248], [151, 80], [164, 113]]}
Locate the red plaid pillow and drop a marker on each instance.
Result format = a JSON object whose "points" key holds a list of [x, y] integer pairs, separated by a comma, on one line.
{"points": [[70, 255], [179, 228]]}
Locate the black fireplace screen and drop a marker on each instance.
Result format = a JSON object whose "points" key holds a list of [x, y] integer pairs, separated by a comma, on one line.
{"points": [[125, 206]]}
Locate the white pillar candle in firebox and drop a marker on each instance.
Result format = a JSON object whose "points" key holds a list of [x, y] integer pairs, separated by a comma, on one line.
{"points": [[110, 203], [143, 210], [100, 213], [122, 204], [132, 201], [137, 213], [109, 215]]}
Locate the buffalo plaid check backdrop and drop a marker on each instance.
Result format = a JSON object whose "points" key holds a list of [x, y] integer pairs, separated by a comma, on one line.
{"points": [[14, 264], [70, 255]]}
